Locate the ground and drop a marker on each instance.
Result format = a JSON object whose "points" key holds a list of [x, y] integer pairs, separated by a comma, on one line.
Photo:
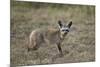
{"points": [[78, 46]]}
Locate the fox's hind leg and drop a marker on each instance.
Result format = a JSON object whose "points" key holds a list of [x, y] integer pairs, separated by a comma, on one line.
{"points": [[32, 45]]}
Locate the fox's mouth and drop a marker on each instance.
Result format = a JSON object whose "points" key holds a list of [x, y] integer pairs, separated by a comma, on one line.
{"points": [[65, 33]]}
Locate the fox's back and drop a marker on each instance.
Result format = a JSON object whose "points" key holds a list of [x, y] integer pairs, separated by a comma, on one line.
{"points": [[50, 35]]}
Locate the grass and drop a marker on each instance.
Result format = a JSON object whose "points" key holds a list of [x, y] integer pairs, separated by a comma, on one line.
{"points": [[78, 46]]}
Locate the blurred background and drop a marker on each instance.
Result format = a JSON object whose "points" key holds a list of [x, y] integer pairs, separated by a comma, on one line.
{"points": [[78, 46]]}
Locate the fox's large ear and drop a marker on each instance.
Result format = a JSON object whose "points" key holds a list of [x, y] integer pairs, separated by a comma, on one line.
{"points": [[70, 23], [60, 23]]}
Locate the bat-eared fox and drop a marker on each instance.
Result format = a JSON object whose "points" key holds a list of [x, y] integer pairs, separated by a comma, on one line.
{"points": [[49, 36]]}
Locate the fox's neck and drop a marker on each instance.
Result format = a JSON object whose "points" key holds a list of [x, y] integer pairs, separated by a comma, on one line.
{"points": [[62, 36]]}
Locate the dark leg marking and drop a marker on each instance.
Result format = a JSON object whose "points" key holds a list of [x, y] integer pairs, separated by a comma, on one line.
{"points": [[59, 48]]}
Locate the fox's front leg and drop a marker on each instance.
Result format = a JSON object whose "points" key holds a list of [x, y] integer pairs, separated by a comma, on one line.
{"points": [[59, 48]]}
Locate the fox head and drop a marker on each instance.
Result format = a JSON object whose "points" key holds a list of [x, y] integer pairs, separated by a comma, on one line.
{"points": [[63, 28]]}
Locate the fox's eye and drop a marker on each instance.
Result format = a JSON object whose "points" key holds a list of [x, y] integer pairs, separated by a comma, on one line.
{"points": [[63, 30], [67, 30]]}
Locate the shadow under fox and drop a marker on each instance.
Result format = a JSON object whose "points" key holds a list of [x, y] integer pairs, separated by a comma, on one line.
{"points": [[49, 36]]}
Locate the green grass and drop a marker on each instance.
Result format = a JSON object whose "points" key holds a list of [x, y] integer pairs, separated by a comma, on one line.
{"points": [[78, 46]]}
